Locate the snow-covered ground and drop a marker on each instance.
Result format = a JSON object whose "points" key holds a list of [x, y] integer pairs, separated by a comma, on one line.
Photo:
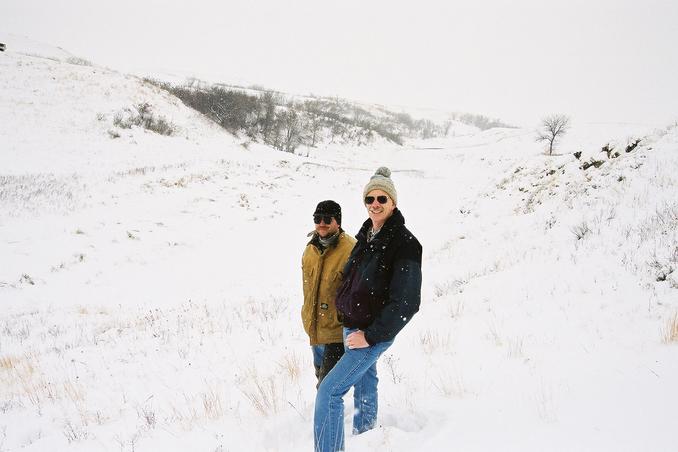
{"points": [[150, 286]]}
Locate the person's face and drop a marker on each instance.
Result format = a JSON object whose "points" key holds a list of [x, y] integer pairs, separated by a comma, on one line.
{"points": [[378, 211], [323, 228]]}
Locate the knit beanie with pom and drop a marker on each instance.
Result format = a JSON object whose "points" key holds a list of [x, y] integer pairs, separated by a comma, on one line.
{"points": [[382, 181]]}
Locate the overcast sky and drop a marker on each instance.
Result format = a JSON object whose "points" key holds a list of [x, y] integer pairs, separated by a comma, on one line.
{"points": [[597, 60]]}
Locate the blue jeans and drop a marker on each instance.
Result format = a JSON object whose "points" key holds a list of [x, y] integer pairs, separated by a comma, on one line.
{"points": [[318, 353], [357, 368]]}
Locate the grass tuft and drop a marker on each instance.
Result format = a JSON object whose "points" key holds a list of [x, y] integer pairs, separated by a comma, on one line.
{"points": [[669, 332]]}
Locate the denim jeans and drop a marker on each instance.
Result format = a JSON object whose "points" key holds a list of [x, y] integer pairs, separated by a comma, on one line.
{"points": [[357, 368], [318, 353]]}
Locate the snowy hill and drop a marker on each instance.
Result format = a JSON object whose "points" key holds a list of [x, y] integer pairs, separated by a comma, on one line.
{"points": [[151, 289]]}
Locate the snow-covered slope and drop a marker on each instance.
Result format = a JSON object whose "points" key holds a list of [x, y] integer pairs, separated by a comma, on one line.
{"points": [[24, 45], [150, 285]]}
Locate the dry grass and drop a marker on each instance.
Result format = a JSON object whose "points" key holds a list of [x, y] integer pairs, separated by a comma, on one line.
{"points": [[20, 367], [494, 332], [432, 341], [147, 415], [669, 332], [581, 230], [391, 363], [290, 364], [73, 391], [193, 409], [545, 403], [456, 310], [264, 394], [211, 402], [515, 348], [450, 384], [22, 376], [74, 433], [186, 414], [8, 362], [268, 309], [443, 289]]}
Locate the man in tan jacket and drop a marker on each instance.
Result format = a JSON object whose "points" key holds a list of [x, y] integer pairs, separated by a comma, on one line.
{"points": [[322, 264]]}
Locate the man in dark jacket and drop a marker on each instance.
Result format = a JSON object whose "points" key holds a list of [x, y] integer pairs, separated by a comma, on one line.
{"points": [[380, 293]]}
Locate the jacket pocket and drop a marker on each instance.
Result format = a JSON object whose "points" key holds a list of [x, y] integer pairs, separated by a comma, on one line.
{"points": [[308, 274]]}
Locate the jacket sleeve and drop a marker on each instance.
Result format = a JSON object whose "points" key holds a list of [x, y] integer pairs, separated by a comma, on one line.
{"points": [[404, 295]]}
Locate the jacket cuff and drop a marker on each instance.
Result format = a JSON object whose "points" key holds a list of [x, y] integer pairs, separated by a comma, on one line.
{"points": [[369, 339]]}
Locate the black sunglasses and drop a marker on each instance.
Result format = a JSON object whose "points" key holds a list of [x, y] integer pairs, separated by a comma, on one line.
{"points": [[382, 199], [327, 219]]}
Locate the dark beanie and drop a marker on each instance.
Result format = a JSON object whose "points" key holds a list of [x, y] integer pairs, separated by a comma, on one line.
{"points": [[329, 207]]}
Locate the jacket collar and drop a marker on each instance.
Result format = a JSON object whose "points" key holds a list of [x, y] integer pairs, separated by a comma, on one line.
{"points": [[315, 239], [388, 230]]}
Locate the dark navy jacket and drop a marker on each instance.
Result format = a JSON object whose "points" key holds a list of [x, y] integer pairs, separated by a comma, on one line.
{"points": [[382, 281]]}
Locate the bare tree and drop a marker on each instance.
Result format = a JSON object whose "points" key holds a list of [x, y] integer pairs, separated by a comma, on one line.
{"points": [[287, 129], [314, 120], [553, 127], [267, 102]]}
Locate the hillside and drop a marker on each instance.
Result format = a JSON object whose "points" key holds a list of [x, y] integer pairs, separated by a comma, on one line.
{"points": [[151, 288]]}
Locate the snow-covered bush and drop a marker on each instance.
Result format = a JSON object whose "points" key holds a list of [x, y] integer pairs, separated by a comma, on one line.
{"points": [[142, 116], [78, 61]]}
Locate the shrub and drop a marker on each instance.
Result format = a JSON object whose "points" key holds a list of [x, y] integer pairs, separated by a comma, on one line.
{"points": [[78, 61], [580, 231], [480, 121], [284, 124], [142, 116], [590, 163], [631, 146], [607, 149]]}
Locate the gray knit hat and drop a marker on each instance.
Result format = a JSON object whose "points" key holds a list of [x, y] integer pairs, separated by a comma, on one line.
{"points": [[382, 181]]}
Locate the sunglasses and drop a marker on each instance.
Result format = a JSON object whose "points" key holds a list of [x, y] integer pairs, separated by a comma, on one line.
{"points": [[382, 199], [327, 219]]}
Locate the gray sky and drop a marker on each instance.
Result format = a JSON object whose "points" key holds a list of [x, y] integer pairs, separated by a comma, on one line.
{"points": [[597, 60]]}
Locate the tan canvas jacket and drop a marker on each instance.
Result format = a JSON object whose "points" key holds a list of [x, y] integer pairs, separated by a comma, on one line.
{"points": [[322, 275]]}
